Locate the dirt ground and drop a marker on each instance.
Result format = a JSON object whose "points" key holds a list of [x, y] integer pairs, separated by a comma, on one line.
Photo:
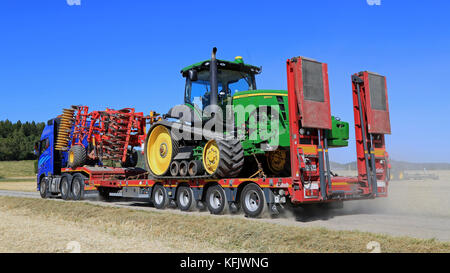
{"points": [[410, 197], [37, 225]]}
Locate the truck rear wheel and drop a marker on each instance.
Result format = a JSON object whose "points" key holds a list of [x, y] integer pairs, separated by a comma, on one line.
{"points": [[65, 186], [160, 198], [77, 156], [216, 200], [77, 187], [185, 198], [253, 201]]}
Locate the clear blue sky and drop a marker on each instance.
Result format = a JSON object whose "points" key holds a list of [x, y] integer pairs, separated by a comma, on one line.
{"points": [[120, 53]]}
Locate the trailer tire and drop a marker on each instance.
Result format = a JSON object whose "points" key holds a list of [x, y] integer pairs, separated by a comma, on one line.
{"points": [[77, 187], [185, 198], [253, 201], [65, 186], [216, 200], [160, 198], [43, 188]]}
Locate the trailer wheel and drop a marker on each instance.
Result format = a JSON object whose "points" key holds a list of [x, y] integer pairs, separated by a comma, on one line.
{"points": [[77, 187], [65, 187], [43, 187], [253, 201], [216, 200], [185, 198], [160, 198]]}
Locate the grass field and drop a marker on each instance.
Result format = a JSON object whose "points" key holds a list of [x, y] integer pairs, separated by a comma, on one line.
{"points": [[108, 229], [17, 175], [24, 168]]}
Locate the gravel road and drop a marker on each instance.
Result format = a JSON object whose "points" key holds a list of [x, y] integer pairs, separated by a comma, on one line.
{"points": [[418, 209]]}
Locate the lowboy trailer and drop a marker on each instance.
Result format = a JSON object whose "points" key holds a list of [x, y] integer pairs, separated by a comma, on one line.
{"points": [[310, 180]]}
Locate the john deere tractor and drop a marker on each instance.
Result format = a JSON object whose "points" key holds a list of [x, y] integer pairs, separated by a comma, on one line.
{"points": [[224, 121]]}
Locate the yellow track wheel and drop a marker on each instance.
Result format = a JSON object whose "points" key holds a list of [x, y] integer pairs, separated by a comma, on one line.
{"points": [[159, 150], [211, 156]]}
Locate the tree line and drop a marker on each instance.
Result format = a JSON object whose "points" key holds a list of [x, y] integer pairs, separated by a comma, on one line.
{"points": [[17, 139]]}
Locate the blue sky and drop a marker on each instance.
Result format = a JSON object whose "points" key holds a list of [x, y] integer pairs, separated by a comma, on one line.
{"points": [[120, 53]]}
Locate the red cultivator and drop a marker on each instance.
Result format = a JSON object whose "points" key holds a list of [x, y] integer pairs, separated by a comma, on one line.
{"points": [[110, 134]]}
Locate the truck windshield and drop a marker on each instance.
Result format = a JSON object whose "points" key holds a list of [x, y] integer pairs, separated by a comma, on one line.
{"points": [[229, 82]]}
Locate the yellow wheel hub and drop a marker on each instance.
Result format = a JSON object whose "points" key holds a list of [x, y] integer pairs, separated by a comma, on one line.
{"points": [[211, 156], [71, 157], [276, 160], [159, 150]]}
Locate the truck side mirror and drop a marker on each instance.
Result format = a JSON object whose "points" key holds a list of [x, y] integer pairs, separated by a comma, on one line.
{"points": [[36, 148], [193, 76]]}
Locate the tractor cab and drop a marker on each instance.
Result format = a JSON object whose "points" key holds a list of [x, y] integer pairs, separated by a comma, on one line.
{"points": [[232, 77]]}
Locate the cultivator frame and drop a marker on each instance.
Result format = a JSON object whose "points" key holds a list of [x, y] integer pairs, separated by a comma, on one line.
{"points": [[109, 133]]}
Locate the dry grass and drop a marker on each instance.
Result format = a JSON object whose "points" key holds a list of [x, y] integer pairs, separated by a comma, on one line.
{"points": [[24, 168], [17, 176], [167, 232], [18, 186]]}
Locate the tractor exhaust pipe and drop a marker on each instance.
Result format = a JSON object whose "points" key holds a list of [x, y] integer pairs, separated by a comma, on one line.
{"points": [[213, 97]]}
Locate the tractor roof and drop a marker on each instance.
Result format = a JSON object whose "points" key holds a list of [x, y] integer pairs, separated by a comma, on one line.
{"points": [[237, 65]]}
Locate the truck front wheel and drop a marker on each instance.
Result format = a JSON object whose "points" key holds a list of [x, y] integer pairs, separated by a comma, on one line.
{"points": [[43, 187]]}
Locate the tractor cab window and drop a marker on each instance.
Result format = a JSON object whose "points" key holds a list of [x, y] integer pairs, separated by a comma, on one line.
{"points": [[229, 82]]}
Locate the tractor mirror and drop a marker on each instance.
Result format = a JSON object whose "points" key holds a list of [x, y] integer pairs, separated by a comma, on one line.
{"points": [[193, 76]]}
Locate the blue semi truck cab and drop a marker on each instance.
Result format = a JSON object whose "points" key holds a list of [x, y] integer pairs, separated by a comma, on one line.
{"points": [[50, 161]]}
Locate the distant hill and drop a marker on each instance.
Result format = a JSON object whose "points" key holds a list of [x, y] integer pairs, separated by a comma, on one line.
{"points": [[396, 165]]}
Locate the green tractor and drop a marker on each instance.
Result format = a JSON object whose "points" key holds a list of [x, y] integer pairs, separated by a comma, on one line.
{"points": [[224, 123]]}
